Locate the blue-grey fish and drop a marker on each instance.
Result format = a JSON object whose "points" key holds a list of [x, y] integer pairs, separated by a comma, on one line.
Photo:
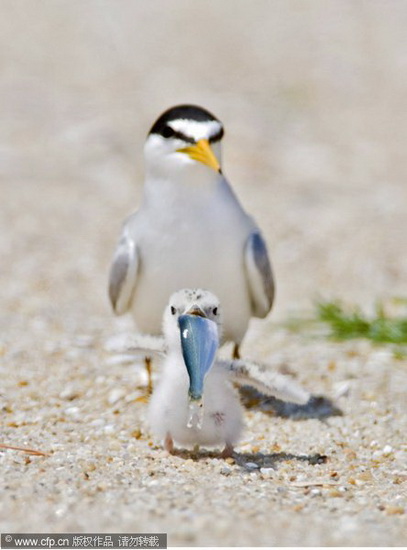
{"points": [[199, 342]]}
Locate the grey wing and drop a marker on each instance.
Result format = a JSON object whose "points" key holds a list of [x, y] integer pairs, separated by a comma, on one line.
{"points": [[259, 275], [271, 384], [123, 274]]}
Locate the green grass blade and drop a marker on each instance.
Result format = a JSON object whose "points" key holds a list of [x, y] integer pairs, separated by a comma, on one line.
{"points": [[353, 324]]}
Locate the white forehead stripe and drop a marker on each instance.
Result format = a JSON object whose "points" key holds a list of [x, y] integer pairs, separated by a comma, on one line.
{"points": [[194, 129]]}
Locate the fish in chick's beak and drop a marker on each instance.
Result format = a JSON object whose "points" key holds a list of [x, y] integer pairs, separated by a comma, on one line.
{"points": [[199, 342]]}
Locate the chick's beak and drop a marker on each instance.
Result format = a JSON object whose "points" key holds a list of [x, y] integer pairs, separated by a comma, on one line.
{"points": [[197, 311], [202, 152]]}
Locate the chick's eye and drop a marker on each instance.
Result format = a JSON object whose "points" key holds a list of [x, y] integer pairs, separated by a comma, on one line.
{"points": [[173, 310], [215, 311], [168, 132]]}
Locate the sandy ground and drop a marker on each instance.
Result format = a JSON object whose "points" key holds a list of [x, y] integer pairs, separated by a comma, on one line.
{"points": [[313, 98]]}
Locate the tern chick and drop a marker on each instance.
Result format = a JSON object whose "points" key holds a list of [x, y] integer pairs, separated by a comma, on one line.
{"points": [[196, 402]]}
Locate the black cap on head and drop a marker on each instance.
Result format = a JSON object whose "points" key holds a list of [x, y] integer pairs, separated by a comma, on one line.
{"points": [[189, 112]]}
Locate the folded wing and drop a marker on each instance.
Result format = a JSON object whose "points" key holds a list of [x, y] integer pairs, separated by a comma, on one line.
{"points": [[123, 274], [259, 275]]}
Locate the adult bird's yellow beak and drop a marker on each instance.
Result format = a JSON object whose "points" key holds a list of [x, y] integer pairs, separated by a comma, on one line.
{"points": [[202, 152]]}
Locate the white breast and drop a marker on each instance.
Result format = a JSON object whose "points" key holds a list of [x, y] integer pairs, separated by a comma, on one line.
{"points": [[169, 408], [195, 241]]}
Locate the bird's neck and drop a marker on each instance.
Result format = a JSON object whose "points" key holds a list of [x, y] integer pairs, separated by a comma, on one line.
{"points": [[184, 185]]}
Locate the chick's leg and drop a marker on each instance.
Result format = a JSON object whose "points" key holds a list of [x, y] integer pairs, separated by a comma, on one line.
{"points": [[169, 443], [227, 451]]}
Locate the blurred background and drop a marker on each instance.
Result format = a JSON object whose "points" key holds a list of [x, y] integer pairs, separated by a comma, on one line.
{"points": [[312, 95]]}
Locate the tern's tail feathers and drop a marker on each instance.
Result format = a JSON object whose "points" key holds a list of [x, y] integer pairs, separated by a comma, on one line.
{"points": [[247, 373]]}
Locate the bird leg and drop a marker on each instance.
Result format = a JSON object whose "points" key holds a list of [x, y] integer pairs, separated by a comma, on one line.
{"points": [[147, 362], [236, 352], [227, 451], [144, 398], [169, 443]]}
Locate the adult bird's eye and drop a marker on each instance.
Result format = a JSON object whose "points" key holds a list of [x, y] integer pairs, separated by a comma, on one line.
{"points": [[168, 132], [173, 310], [215, 311]]}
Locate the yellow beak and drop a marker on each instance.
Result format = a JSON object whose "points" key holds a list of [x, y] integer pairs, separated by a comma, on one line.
{"points": [[202, 152]]}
